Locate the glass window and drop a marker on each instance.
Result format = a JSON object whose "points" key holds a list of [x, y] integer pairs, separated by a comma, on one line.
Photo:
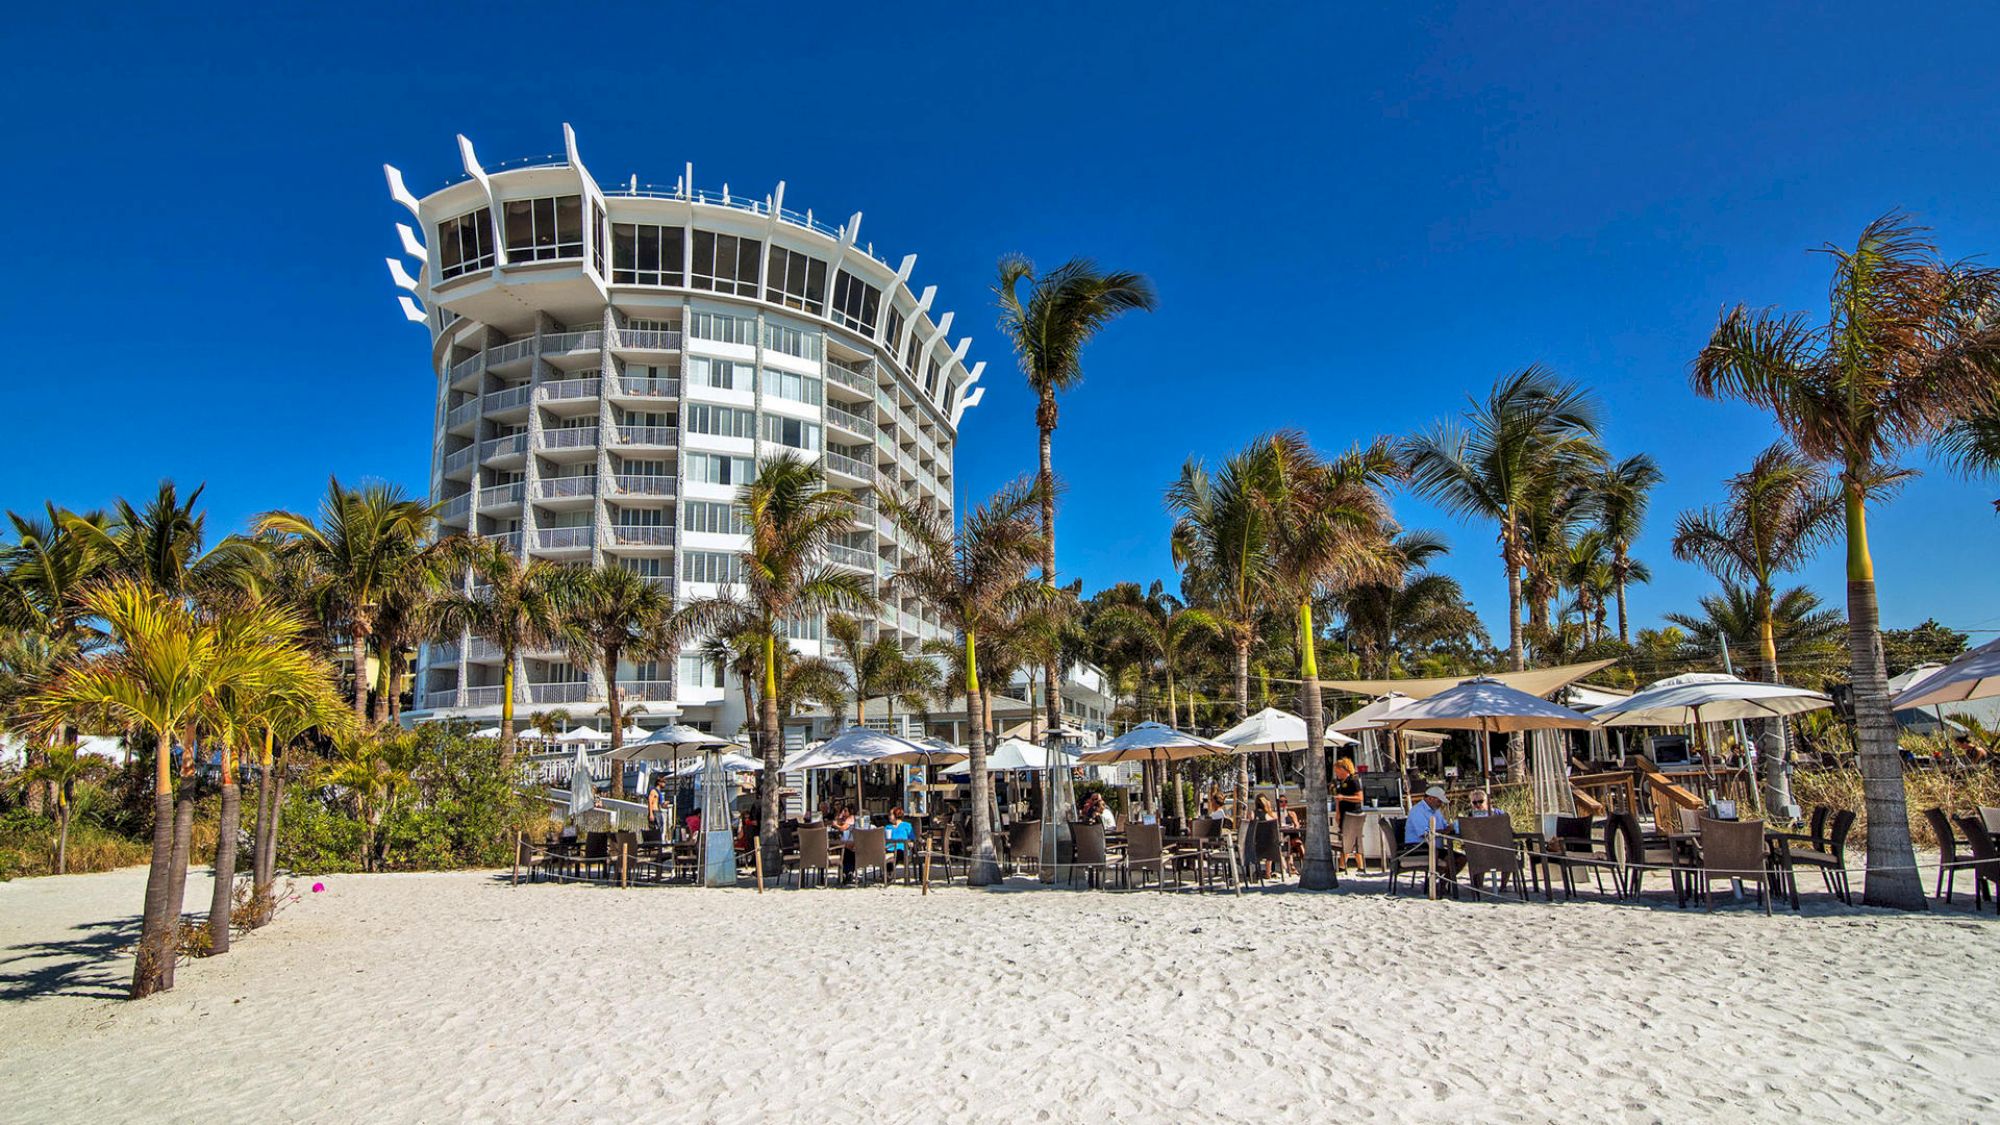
{"points": [[798, 388], [712, 516], [796, 280], [802, 629], [910, 354], [791, 432], [711, 566], [792, 341], [543, 229], [725, 263], [720, 421], [718, 468], [895, 330], [699, 671], [644, 254], [854, 303], [465, 243], [722, 328], [720, 374]]}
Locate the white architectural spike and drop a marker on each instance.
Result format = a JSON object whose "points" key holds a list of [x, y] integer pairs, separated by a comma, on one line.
{"points": [[397, 190], [412, 310], [924, 302], [401, 276], [411, 246], [903, 271]]}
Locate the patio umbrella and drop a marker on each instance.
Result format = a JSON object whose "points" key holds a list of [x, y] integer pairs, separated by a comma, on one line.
{"points": [[582, 790], [1707, 697], [731, 761], [1489, 707], [1369, 719], [1974, 675], [856, 747], [1151, 742], [1016, 754], [1274, 731], [582, 734]]}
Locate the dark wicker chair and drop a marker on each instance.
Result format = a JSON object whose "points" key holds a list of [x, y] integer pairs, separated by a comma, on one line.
{"points": [[1831, 860], [1145, 850], [1734, 850], [1490, 850], [1090, 857], [1024, 845], [1985, 863], [871, 853], [815, 853], [1638, 852], [1949, 863]]}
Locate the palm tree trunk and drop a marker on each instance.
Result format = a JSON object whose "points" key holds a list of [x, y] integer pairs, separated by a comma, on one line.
{"points": [[617, 723], [1242, 713], [1517, 748], [507, 710], [62, 836], [1317, 873], [768, 836], [360, 670], [271, 839], [1777, 782], [223, 900], [396, 666], [984, 867], [148, 975], [384, 678], [1624, 635], [1893, 880], [260, 857], [177, 877]]}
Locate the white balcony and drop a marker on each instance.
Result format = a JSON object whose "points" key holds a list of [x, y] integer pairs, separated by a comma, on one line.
{"points": [[569, 437], [848, 466], [456, 507], [843, 555], [563, 539], [499, 495], [563, 488], [626, 484], [646, 388], [510, 352], [559, 389], [569, 343], [576, 692], [648, 435], [642, 535], [510, 541], [506, 399], [859, 376], [459, 460], [646, 340], [510, 446], [466, 368], [852, 421]]}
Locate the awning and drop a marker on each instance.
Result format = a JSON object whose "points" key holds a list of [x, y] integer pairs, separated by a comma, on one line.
{"points": [[1534, 681]]}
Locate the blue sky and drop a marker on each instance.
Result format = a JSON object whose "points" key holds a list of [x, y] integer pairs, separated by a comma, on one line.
{"points": [[1353, 218]]}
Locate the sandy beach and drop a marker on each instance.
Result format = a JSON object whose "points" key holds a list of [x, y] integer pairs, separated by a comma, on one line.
{"points": [[457, 997]]}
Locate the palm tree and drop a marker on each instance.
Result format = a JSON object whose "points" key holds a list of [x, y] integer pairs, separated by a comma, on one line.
{"points": [[284, 719], [617, 612], [1531, 430], [879, 669], [1779, 513], [793, 519], [1909, 343], [513, 604], [1793, 621], [1326, 520], [1622, 496], [372, 768], [1221, 541], [1414, 608], [1064, 309], [60, 769], [170, 669], [1972, 443], [973, 579], [367, 541], [1561, 509]]}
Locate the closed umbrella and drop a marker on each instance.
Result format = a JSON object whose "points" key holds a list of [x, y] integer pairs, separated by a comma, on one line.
{"points": [[582, 790]]}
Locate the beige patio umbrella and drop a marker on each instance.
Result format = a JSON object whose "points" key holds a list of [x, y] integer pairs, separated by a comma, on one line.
{"points": [[1488, 707]]}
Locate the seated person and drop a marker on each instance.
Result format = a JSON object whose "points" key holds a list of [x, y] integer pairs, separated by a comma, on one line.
{"points": [[1213, 808], [843, 822], [1428, 816], [1479, 804], [1094, 809], [901, 833], [693, 824]]}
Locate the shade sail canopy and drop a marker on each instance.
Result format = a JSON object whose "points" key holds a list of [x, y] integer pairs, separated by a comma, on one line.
{"points": [[1707, 697], [1152, 742], [1974, 675], [1485, 704], [1536, 681], [1016, 754], [860, 746], [1274, 731], [673, 741]]}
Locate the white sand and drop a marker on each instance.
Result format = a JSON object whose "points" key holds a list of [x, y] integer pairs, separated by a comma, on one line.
{"points": [[456, 997]]}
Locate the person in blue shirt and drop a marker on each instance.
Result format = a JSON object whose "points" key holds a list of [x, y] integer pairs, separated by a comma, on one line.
{"points": [[900, 834], [1426, 816]]}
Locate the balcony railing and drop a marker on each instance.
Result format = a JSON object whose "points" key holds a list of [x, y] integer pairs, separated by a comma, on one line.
{"points": [[650, 691], [466, 367], [647, 339], [575, 692], [852, 556], [456, 507], [569, 388], [463, 697], [860, 376], [569, 437], [843, 464], [630, 485], [503, 446], [460, 459], [559, 488], [563, 538], [500, 494], [510, 541], [444, 654], [648, 435], [563, 343], [642, 535], [852, 421], [461, 414], [508, 353], [507, 399], [647, 388]]}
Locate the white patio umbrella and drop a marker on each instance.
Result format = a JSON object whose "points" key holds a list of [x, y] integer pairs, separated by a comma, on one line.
{"points": [[1974, 675], [855, 747], [732, 762], [1707, 697], [1373, 716], [1014, 755], [582, 734], [1151, 742], [1274, 731]]}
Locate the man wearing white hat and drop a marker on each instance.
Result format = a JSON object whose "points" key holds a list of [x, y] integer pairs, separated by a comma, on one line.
{"points": [[1426, 817]]}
